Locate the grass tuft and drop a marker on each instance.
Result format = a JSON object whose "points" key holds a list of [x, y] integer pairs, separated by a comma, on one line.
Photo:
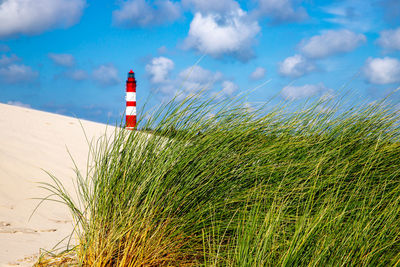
{"points": [[210, 183]]}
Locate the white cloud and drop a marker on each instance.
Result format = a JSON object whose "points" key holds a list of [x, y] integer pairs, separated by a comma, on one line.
{"points": [[353, 14], [190, 80], [18, 104], [197, 74], [106, 75], [77, 75], [331, 42], [162, 49], [295, 66], [390, 39], [5, 60], [308, 90], [17, 73], [159, 69], [228, 88], [66, 60], [223, 34], [258, 74], [281, 11], [36, 16], [142, 13], [11, 72], [382, 70], [196, 78], [207, 6]]}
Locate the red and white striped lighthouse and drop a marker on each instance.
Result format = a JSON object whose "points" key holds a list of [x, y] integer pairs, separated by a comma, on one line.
{"points": [[130, 101]]}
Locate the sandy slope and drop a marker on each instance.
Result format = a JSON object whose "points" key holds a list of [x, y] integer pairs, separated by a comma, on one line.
{"points": [[32, 140]]}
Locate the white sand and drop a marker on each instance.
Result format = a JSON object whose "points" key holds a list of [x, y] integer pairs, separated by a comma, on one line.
{"points": [[30, 141]]}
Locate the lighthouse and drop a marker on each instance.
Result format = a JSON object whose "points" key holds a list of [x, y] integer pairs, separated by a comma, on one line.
{"points": [[130, 101]]}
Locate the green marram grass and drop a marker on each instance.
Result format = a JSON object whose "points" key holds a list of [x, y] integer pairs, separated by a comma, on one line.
{"points": [[209, 183]]}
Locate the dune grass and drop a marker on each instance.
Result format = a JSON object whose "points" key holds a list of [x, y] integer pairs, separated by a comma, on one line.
{"points": [[213, 184]]}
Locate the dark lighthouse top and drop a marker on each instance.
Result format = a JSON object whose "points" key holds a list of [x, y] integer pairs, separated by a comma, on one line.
{"points": [[131, 74]]}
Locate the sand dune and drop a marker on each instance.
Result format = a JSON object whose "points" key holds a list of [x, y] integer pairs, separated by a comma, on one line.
{"points": [[30, 141]]}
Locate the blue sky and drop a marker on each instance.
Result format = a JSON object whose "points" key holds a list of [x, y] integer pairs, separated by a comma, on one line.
{"points": [[72, 56]]}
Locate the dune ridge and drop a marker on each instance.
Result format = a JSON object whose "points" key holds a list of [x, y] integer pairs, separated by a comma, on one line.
{"points": [[32, 141]]}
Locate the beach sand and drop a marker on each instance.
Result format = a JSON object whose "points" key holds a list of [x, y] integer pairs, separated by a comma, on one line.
{"points": [[32, 141]]}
